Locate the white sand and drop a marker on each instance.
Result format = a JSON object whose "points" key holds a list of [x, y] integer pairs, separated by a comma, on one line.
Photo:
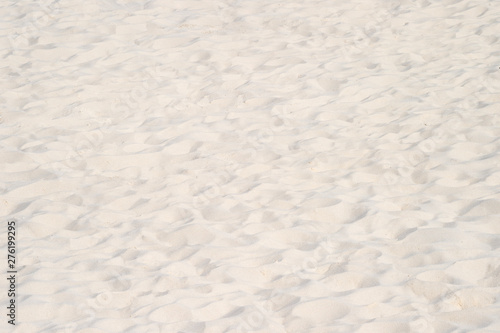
{"points": [[252, 166]]}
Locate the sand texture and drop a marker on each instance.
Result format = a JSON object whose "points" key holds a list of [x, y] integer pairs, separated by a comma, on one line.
{"points": [[251, 166]]}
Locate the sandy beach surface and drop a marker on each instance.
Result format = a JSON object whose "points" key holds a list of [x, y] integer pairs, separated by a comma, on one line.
{"points": [[251, 166]]}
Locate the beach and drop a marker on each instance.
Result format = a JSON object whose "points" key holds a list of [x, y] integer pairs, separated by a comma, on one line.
{"points": [[250, 166]]}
